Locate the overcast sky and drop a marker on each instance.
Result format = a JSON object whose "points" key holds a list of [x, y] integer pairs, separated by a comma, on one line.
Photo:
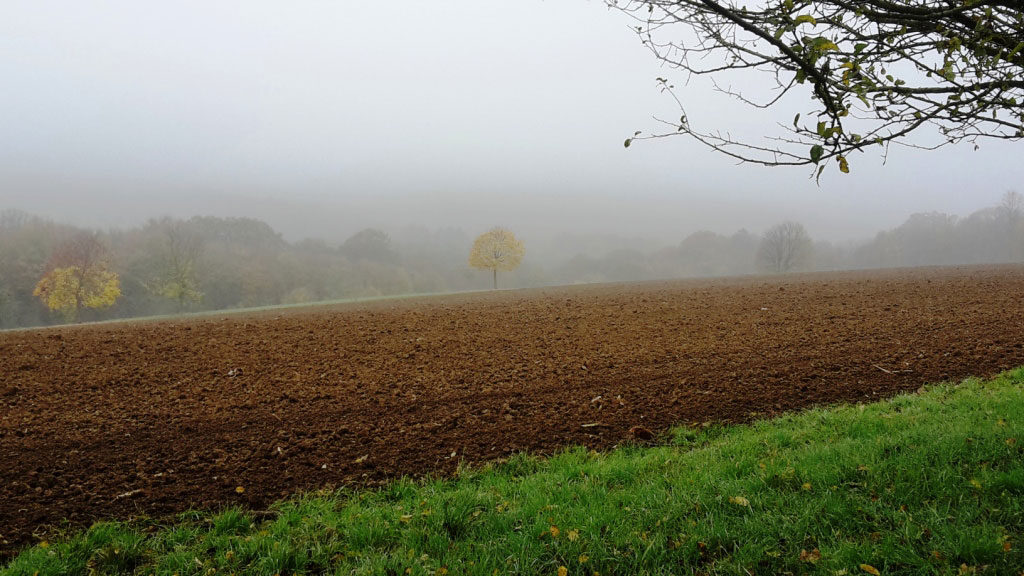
{"points": [[326, 117]]}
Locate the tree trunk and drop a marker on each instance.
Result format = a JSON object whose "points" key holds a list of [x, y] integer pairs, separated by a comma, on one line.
{"points": [[495, 278]]}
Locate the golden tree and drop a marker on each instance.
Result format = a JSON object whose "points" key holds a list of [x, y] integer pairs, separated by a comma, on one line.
{"points": [[496, 249], [79, 277]]}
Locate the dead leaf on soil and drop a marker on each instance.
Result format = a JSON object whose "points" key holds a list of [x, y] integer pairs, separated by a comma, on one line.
{"points": [[641, 433]]}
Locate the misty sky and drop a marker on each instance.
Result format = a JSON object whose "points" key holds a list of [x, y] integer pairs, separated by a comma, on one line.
{"points": [[326, 117]]}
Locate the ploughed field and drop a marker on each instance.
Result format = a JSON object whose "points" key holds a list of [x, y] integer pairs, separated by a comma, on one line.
{"points": [[150, 418]]}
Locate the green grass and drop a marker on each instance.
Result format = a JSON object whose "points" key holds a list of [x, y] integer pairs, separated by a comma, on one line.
{"points": [[920, 484], [247, 310]]}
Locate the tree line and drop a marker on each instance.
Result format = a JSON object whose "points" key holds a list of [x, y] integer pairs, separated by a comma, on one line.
{"points": [[52, 272], [991, 235]]}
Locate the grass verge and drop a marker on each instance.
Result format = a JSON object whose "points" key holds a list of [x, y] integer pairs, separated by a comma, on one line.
{"points": [[228, 312], [920, 484]]}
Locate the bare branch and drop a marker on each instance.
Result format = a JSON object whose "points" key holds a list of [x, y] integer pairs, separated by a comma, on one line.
{"points": [[878, 70]]}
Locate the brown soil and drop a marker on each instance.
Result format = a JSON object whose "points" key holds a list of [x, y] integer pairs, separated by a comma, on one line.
{"points": [[117, 420]]}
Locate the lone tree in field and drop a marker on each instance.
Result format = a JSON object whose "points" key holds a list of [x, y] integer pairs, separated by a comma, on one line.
{"points": [[78, 277], [785, 248], [496, 249], [875, 70]]}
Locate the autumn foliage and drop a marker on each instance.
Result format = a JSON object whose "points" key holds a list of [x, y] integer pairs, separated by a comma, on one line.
{"points": [[496, 249], [79, 277]]}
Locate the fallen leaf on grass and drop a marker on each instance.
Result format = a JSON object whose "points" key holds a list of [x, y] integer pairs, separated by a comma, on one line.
{"points": [[405, 518], [554, 531], [239, 489], [811, 557], [870, 569], [563, 571], [739, 501], [573, 535], [975, 483], [362, 458]]}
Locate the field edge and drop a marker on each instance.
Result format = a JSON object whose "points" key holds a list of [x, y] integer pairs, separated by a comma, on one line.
{"points": [[783, 483]]}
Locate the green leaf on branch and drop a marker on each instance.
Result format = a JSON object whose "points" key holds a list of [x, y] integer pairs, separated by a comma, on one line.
{"points": [[816, 153]]}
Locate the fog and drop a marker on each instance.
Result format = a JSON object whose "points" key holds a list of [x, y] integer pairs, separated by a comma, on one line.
{"points": [[429, 121], [326, 118]]}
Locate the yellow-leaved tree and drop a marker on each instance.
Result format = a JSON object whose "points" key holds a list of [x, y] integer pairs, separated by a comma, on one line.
{"points": [[496, 249], [79, 277]]}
